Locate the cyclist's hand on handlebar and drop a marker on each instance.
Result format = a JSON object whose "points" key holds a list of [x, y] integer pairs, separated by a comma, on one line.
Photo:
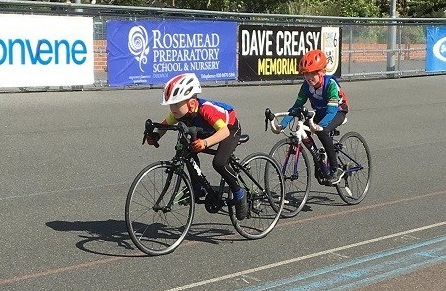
{"points": [[152, 139], [198, 145], [316, 127], [278, 129]]}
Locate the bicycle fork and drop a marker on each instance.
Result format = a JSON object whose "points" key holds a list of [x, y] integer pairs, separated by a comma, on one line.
{"points": [[293, 150], [168, 206]]}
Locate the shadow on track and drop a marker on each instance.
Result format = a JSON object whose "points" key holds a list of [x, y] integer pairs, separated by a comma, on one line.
{"points": [[110, 237]]}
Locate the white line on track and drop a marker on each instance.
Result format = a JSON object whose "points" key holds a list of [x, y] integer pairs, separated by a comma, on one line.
{"points": [[318, 254]]}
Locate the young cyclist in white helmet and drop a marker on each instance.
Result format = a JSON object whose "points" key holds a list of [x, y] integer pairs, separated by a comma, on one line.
{"points": [[219, 122]]}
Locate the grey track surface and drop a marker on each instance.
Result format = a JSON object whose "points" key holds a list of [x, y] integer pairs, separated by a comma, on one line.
{"points": [[68, 158]]}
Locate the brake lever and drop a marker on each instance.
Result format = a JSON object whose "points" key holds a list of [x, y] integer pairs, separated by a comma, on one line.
{"points": [[149, 131], [269, 116]]}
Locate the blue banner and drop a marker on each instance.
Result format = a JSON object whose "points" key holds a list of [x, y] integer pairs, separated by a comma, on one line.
{"points": [[152, 52], [436, 48]]}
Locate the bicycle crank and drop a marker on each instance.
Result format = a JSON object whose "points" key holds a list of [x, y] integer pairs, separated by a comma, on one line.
{"points": [[212, 205]]}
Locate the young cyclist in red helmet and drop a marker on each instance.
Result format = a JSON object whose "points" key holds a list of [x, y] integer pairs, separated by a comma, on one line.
{"points": [[327, 99], [219, 122]]}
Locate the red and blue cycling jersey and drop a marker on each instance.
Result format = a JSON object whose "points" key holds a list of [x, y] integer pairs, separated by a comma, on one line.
{"points": [[210, 116]]}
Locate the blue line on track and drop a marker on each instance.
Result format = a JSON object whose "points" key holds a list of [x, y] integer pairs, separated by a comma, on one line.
{"points": [[365, 270]]}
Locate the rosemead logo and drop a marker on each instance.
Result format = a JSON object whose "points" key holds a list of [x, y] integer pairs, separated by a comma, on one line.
{"points": [[439, 49], [139, 44]]}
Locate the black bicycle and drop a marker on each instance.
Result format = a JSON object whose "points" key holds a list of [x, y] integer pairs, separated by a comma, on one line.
{"points": [[160, 203], [352, 152]]}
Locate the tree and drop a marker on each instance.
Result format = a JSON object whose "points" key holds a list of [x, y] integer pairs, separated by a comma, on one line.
{"points": [[431, 8], [250, 6], [345, 8], [414, 8], [357, 8]]}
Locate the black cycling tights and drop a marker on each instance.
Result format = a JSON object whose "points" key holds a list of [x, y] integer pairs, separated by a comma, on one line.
{"points": [[327, 141], [221, 159]]}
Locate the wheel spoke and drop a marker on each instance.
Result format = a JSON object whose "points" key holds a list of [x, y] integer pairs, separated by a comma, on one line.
{"points": [[159, 230], [296, 169], [265, 190], [355, 158]]}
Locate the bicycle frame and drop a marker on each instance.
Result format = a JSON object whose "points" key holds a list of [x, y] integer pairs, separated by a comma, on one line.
{"points": [[159, 228], [351, 150], [234, 161], [358, 166], [298, 132], [184, 156], [293, 147]]}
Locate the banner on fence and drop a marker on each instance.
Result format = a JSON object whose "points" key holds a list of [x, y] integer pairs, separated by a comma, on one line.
{"points": [[436, 48], [152, 52], [274, 52], [38, 50]]}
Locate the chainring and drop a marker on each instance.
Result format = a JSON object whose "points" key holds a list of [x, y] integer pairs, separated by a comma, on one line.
{"points": [[212, 205]]}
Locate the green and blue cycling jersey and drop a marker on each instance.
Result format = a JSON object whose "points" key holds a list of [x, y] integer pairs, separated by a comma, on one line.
{"points": [[326, 100]]}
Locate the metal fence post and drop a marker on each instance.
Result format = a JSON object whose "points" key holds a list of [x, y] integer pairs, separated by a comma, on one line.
{"points": [[391, 43]]}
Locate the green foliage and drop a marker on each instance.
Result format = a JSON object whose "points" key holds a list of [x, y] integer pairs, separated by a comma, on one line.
{"points": [[308, 7], [357, 8], [431, 8], [345, 8], [414, 8], [250, 6], [119, 2], [413, 34], [262, 6]]}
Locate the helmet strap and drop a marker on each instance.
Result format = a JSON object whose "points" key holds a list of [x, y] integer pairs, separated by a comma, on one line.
{"points": [[192, 105], [321, 79]]}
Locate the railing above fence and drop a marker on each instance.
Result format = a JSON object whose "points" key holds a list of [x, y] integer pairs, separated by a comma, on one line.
{"points": [[365, 52]]}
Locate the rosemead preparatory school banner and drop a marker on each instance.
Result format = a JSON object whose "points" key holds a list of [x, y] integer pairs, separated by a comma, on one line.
{"points": [[274, 52], [152, 52]]}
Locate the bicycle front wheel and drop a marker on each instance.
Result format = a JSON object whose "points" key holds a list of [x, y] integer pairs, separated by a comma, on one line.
{"points": [[354, 158], [159, 208], [263, 181], [296, 171]]}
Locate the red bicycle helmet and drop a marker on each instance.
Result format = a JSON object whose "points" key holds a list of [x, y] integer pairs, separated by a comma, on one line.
{"points": [[313, 61]]}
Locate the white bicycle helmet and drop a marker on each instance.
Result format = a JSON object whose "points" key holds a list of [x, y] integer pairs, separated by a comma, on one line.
{"points": [[179, 88]]}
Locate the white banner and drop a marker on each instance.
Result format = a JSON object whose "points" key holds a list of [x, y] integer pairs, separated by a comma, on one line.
{"points": [[46, 51], [331, 46]]}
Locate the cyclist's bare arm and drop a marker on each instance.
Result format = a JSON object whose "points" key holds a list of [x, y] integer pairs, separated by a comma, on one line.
{"points": [[218, 136], [161, 132]]}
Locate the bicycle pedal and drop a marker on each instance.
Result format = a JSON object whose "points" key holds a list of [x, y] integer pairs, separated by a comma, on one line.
{"points": [[230, 202], [198, 200]]}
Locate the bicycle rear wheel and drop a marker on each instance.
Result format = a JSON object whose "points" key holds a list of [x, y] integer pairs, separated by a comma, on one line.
{"points": [[354, 158], [296, 171], [159, 208], [265, 190]]}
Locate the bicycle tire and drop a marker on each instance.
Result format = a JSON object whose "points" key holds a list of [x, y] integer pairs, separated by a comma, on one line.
{"points": [[159, 230], [297, 183], [354, 157], [264, 207]]}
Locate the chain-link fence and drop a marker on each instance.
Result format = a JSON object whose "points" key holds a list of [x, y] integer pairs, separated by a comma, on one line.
{"points": [[371, 47]]}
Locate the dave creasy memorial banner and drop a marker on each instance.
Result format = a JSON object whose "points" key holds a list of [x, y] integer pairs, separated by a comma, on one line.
{"points": [[274, 52], [152, 52]]}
